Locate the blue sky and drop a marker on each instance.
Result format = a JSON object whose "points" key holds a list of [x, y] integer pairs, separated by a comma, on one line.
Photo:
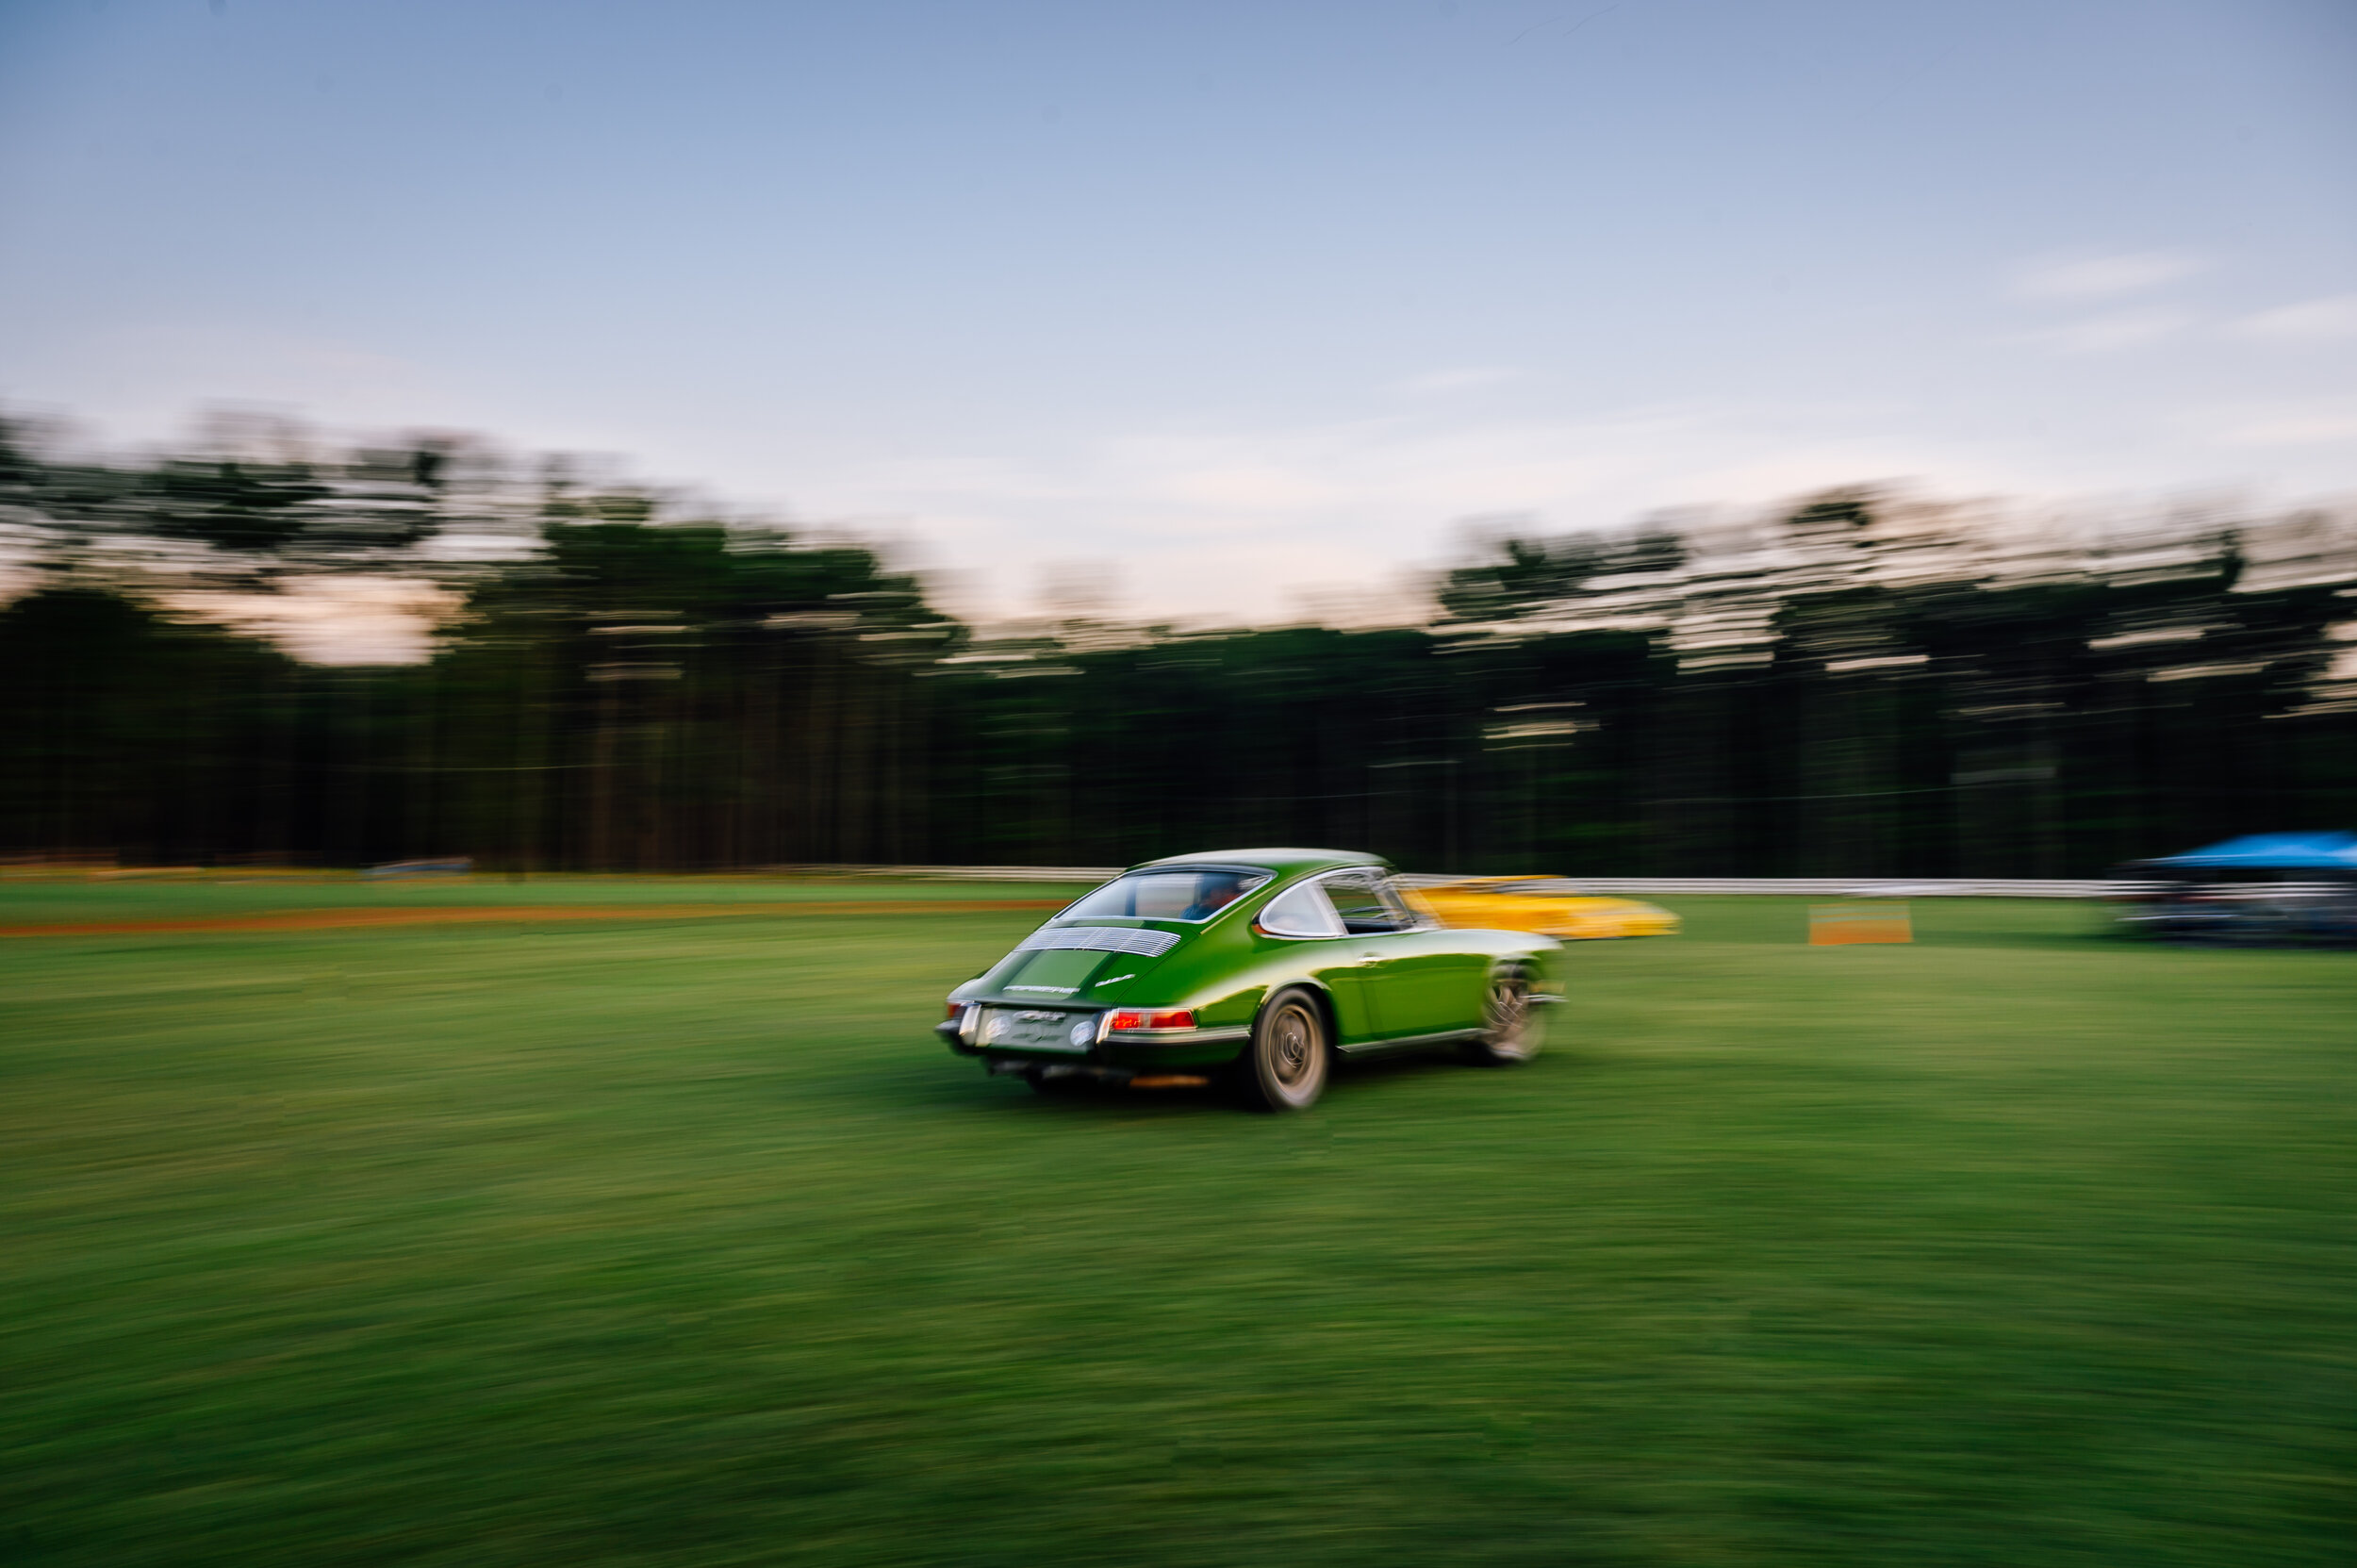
{"points": [[1215, 306]]}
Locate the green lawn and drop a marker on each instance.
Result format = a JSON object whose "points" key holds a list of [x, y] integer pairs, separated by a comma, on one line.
{"points": [[684, 1243]]}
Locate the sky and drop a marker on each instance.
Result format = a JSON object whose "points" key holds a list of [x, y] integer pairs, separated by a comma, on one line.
{"points": [[1206, 311]]}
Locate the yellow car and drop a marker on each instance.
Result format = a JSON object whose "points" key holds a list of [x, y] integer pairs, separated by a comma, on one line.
{"points": [[1533, 904]]}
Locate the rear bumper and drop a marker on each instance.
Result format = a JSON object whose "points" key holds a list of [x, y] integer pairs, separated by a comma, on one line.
{"points": [[1135, 1058], [1140, 1049]]}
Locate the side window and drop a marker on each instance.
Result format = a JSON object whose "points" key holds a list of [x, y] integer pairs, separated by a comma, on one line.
{"points": [[1365, 904], [1302, 911], [1403, 913]]}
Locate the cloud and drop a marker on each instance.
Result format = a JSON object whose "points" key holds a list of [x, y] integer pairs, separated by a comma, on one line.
{"points": [[2309, 322], [1236, 524], [2109, 334], [2098, 277], [1462, 378], [2286, 425]]}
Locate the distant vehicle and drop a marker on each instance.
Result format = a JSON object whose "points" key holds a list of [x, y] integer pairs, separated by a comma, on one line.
{"points": [[1255, 968], [1540, 904], [2264, 889]]}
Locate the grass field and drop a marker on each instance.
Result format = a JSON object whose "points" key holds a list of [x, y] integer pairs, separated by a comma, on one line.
{"points": [[684, 1242]]}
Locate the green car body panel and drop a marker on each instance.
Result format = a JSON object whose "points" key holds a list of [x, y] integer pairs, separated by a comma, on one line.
{"points": [[1381, 990]]}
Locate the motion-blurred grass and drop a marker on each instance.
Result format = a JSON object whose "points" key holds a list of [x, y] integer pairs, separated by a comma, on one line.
{"points": [[684, 1243]]}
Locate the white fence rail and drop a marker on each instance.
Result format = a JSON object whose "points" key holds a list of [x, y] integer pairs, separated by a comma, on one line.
{"points": [[1848, 887], [1834, 887], [1090, 874]]}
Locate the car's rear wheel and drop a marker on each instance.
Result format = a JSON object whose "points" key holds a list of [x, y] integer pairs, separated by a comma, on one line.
{"points": [[1512, 1029], [1285, 1067]]}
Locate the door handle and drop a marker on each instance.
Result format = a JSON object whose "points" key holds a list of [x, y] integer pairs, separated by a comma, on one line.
{"points": [[1365, 959]]}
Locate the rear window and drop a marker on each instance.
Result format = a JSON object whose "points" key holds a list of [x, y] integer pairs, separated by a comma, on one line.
{"points": [[1177, 893]]}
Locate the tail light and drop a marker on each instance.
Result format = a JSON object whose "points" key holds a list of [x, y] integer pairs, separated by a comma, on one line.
{"points": [[1182, 1018]]}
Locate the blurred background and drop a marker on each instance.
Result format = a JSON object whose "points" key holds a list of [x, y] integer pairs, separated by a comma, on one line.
{"points": [[544, 450], [1866, 686], [1638, 439]]}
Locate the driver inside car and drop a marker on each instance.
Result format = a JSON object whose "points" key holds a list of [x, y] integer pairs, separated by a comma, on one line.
{"points": [[1217, 894]]}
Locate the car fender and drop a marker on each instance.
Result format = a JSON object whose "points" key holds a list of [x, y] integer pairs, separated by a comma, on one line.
{"points": [[1316, 988], [1327, 1015], [1546, 969]]}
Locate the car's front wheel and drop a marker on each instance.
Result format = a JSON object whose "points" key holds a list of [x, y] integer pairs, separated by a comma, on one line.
{"points": [[1512, 1029], [1285, 1067]]}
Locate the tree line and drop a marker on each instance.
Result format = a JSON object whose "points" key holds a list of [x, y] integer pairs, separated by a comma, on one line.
{"points": [[1858, 684]]}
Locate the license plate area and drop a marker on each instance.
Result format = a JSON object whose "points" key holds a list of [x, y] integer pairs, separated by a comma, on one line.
{"points": [[1037, 1028]]}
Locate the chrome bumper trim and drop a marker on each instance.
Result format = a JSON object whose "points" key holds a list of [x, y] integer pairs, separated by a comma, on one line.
{"points": [[1217, 1036]]}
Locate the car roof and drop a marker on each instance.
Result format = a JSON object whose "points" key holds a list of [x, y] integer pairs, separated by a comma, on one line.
{"points": [[1285, 863]]}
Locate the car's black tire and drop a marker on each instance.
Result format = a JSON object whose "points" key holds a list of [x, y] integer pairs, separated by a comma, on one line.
{"points": [[1512, 1029], [1286, 1066]]}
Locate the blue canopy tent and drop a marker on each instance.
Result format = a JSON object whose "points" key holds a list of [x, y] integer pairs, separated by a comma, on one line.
{"points": [[2262, 887], [2272, 851]]}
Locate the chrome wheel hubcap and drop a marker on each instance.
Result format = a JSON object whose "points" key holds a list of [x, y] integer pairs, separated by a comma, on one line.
{"points": [[1293, 1056], [1510, 1013]]}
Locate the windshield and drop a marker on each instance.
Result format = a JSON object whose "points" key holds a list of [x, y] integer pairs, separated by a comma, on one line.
{"points": [[1174, 893]]}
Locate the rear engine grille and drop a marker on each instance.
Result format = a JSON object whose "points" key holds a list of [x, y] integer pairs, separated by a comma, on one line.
{"points": [[1114, 939]]}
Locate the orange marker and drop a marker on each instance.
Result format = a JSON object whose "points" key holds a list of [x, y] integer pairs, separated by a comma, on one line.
{"points": [[1839, 925]]}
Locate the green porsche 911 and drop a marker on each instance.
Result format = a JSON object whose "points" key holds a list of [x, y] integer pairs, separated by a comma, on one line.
{"points": [[1253, 968]]}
